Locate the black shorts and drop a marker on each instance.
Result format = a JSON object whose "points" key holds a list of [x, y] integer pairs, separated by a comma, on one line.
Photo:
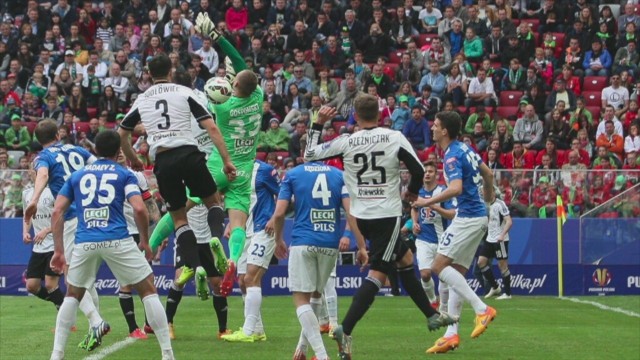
{"points": [[136, 238], [39, 266], [385, 245], [499, 250], [206, 260], [183, 166]]}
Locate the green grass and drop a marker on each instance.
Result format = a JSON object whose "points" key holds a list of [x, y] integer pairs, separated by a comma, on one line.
{"points": [[526, 328]]}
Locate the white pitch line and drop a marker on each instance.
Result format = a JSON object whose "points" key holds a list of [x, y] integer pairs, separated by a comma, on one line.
{"points": [[111, 349], [603, 307]]}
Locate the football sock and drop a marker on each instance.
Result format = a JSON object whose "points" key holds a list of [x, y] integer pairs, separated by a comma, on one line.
{"points": [[252, 305], [173, 300], [483, 282], [56, 297], [488, 274], [458, 283], [362, 300], [94, 297], [455, 309], [443, 290], [429, 288], [506, 281], [187, 246], [163, 229], [220, 305], [303, 343], [157, 320], [42, 293], [318, 309], [215, 219], [126, 304], [259, 328], [411, 284], [65, 320], [89, 310], [331, 298], [236, 243], [311, 330]]}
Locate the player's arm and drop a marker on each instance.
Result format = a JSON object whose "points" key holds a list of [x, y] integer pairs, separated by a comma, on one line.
{"points": [[508, 222], [278, 224], [62, 203], [487, 185], [205, 26], [147, 197], [141, 218], [454, 189], [413, 164], [42, 179], [416, 224], [445, 212], [316, 151], [126, 127], [216, 137]]}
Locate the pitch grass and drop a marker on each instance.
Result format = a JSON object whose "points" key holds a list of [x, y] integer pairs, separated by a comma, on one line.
{"points": [[526, 328]]}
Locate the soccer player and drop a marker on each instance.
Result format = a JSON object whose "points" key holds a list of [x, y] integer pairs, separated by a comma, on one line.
{"points": [[53, 166], [260, 247], [464, 174], [428, 226], [100, 190], [372, 159], [165, 110], [496, 246], [319, 192], [39, 263]]}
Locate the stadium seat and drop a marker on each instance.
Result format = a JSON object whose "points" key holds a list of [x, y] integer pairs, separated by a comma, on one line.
{"points": [[338, 80], [559, 39], [92, 112], [276, 66], [281, 156], [110, 125], [636, 9], [462, 109], [82, 127], [505, 111], [594, 83], [535, 24], [261, 155], [496, 65], [536, 35], [337, 125], [425, 39], [395, 57], [393, 66], [510, 98], [595, 112], [592, 98], [31, 125]]}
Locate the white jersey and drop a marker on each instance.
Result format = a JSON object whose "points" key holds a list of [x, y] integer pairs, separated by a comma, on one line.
{"points": [[165, 110], [371, 168], [497, 212], [197, 218], [128, 210], [43, 217], [205, 144]]}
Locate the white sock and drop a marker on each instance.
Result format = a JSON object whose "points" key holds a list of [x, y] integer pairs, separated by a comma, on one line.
{"points": [[443, 290], [259, 327], [458, 283], [319, 310], [89, 310], [303, 343], [252, 304], [430, 289], [65, 320], [455, 309], [157, 319], [94, 297], [331, 297], [311, 330]]}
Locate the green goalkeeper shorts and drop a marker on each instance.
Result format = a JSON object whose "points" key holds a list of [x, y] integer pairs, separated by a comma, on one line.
{"points": [[237, 194]]}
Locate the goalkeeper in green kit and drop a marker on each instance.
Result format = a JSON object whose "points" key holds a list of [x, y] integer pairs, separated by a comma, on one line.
{"points": [[239, 121]]}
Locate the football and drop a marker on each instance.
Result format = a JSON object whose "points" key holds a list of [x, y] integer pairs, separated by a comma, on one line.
{"points": [[218, 90]]}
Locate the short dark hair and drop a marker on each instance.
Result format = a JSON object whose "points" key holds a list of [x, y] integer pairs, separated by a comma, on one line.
{"points": [[107, 143], [182, 78], [431, 164], [366, 107], [46, 131], [159, 66], [451, 121]]}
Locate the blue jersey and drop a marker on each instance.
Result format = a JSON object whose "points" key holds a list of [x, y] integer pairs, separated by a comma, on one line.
{"points": [[319, 190], [265, 187], [62, 161], [432, 224], [462, 163], [101, 190]]}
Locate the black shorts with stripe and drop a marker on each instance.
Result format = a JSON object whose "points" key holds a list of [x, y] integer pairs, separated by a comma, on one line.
{"points": [[206, 261], [385, 245], [39, 266], [498, 250]]}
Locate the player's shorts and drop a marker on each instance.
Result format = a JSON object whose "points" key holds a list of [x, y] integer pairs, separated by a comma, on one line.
{"points": [[258, 250], [206, 260], [241, 267], [385, 245], [237, 194], [124, 259], [39, 265], [461, 239], [425, 253], [310, 267], [183, 166], [498, 250], [69, 238], [333, 272]]}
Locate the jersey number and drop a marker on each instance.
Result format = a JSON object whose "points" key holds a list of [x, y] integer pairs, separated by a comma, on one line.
{"points": [[70, 164], [89, 185], [362, 158], [321, 189], [258, 250], [165, 114], [446, 239]]}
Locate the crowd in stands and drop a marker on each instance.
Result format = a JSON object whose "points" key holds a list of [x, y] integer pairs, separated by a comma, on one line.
{"points": [[544, 85]]}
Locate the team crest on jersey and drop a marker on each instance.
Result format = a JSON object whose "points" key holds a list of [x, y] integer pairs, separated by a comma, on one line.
{"points": [[451, 160], [96, 217]]}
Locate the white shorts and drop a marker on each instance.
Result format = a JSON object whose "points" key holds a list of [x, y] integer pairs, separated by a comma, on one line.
{"points": [[126, 261], [69, 238], [426, 253], [258, 251], [461, 239], [310, 267], [333, 272], [242, 261]]}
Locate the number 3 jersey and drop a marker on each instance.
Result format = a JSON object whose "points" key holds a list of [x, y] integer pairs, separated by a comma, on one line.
{"points": [[371, 168], [100, 191], [462, 163], [432, 224], [318, 190]]}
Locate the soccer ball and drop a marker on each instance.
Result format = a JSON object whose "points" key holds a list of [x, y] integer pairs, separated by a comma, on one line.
{"points": [[218, 90]]}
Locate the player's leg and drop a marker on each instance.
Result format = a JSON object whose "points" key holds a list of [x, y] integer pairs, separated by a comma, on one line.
{"points": [[52, 284], [503, 264], [330, 303], [425, 253], [125, 299], [487, 252], [65, 320], [219, 302], [36, 272], [173, 300], [155, 315]]}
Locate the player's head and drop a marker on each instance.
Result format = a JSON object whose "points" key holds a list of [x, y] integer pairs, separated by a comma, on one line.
{"points": [[366, 107], [108, 144], [430, 173], [182, 78], [46, 131], [160, 67], [446, 126], [245, 83]]}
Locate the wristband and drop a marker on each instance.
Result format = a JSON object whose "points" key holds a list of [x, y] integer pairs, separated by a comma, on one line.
{"points": [[347, 233]]}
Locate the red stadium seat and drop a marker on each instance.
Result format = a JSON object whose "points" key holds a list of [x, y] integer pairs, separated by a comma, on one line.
{"points": [[592, 98], [510, 98], [260, 155], [505, 111], [338, 80], [425, 39], [276, 67], [82, 127], [535, 23], [92, 112], [337, 125], [31, 125], [110, 125], [594, 83], [395, 57], [559, 39], [595, 112], [496, 65]]}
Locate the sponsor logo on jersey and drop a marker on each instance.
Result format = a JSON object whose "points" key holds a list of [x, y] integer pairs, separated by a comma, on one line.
{"points": [[322, 215], [372, 192], [96, 217], [244, 142], [245, 110], [203, 139], [164, 135], [601, 278]]}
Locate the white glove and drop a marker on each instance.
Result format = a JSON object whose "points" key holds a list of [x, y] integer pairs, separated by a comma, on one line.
{"points": [[230, 72], [205, 26]]}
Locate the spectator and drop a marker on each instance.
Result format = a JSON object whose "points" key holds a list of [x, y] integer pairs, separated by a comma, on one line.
{"points": [[543, 200], [597, 61], [357, 70], [560, 93], [407, 71], [503, 134], [401, 27], [303, 83], [472, 46], [447, 21], [515, 78], [632, 141], [611, 141], [401, 114], [573, 171], [480, 91], [300, 132], [345, 98], [479, 116], [237, 16], [31, 109], [416, 130], [609, 115], [493, 160], [118, 83], [437, 53], [551, 150], [325, 87], [429, 18], [271, 95], [456, 86], [109, 102], [429, 104], [626, 59], [529, 130], [435, 79], [616, 96], [17, 136], [519, 157], [375, 44], [274, 139], [547, 168], [294, 100], [383, 83]]}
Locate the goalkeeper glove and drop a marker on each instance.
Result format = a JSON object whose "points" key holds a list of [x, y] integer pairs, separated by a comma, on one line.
{"points": [[205, 26]]}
